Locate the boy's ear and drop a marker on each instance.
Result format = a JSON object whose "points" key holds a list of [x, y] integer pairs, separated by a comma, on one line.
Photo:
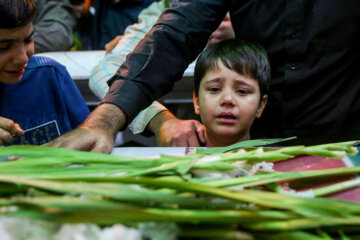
{"points": [[262, 105], [196, 104]]}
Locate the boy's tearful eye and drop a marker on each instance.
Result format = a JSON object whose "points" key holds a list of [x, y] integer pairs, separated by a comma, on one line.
{"points": [[214, 89], [242, 91]]}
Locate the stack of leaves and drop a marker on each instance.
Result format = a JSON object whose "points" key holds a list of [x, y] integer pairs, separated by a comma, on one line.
{"points": [[228, 201]]}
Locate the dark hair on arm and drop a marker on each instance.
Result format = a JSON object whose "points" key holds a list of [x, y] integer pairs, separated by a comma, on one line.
{"points": [[16, 13], [249, 59]]}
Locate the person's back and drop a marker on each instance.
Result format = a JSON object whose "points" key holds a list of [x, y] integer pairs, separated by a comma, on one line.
{"points": [[315, 88]]}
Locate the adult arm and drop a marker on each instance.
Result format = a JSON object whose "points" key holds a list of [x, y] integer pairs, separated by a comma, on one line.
{"points": [[54, 24], [149, 72], [108, 66], [170, 131], [121, 46], [163, 55]]}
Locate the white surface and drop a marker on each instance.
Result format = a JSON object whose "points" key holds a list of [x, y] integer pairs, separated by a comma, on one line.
{"points": [[80, 63], [148, 152]]}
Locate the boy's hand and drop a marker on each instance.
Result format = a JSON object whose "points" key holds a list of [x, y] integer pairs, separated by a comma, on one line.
{"points": [[7, 129]]}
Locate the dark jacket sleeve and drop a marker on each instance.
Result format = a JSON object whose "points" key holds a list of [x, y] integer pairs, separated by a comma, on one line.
{"points": [[162, 56], [54, 24]]}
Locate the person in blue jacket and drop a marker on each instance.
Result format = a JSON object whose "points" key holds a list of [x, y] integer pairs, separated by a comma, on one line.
{"points": [[38, 99]]}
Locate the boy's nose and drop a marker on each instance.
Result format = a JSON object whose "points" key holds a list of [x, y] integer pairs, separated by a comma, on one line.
{"points": [[20, 56], [227, 99]]}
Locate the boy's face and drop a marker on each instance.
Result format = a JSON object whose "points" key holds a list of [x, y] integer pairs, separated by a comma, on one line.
{"points": [[16, 48], [228, 103]]}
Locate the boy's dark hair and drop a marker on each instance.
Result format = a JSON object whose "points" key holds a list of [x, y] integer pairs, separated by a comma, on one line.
{"points": [[16, 13], [243, 57]]}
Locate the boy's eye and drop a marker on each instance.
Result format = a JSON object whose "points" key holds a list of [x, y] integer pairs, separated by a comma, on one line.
{"points": [[29, 40], [242, 91], [213, 89], [4, 47]]}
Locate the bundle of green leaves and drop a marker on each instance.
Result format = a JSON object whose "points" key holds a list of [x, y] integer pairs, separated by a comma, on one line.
{"points": [[68, 186]]}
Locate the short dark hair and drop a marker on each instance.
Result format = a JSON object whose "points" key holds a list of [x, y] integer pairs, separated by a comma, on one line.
{"points": [[245, 58], [16, 13]]}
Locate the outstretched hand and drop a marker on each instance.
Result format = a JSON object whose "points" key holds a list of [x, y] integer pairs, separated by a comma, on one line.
{"points": [[96, 134], [85, 139], [7, 129]]}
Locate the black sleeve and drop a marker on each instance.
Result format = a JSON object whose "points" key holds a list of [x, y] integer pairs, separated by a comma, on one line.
{"points": [[162, 56]]}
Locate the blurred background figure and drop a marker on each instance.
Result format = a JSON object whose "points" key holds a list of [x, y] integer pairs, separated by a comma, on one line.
{"points": [[81, 7], [84, 20], [112, 17], [54, 24]]}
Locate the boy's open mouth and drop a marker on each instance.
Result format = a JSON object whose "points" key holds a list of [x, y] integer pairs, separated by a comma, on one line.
{"points": [[227, 115], [226, 118]]}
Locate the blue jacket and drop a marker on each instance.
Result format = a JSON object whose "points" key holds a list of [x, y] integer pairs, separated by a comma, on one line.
{"points": [[46, 102]]}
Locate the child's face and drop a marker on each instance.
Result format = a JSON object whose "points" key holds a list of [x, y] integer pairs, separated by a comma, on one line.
{"points": [[228, 103], [16, 48]]}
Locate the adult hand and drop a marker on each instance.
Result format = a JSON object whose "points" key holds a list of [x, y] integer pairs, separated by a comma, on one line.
{"points": [[171, 131], [97, 133], [7, 129], [181, 133], [224, 31], [112, 44]]}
